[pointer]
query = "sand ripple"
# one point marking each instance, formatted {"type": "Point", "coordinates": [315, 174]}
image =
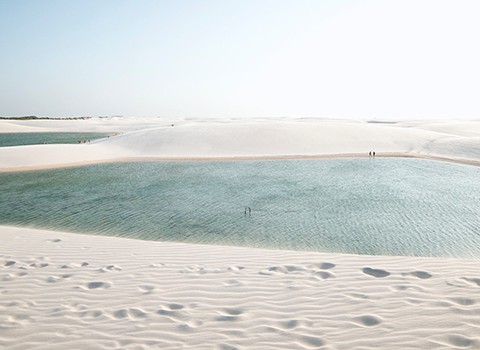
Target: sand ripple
{"type": "Point", "coordinates": [124, 294]}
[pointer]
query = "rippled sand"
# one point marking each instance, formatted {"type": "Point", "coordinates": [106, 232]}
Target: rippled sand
{"type": "Point", "coordinates": [61, 290]}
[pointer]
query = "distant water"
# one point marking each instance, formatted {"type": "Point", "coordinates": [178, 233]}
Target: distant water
{"type": "Point", "coordinates": [38, 138]}
{"type": "Point", "coordinates": [381, 206]}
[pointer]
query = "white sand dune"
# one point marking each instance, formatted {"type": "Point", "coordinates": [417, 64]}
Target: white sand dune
{"type": "Point", "coordinates": [70, 291]}
{"type": "Point", "coordinates": [118, 124]}
{"type": "Point", "coordinates": [157, 138]}
{"type": "Point", "coordinates": [269, 139]}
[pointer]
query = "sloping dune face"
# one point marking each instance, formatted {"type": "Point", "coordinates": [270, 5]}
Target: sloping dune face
{"type": "Point", "coordinates": [242, 138]}
{"type": "Point", "coordinates": [271, 139]}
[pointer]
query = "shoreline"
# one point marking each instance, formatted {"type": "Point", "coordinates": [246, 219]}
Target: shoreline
{"type": "Point", "coordinates": [246, 249]}
{"type": "Point", "coordinates": [239, 158]}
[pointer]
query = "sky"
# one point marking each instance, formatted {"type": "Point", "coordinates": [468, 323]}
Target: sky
{"type": "Point", "coordinates": [397, 59]}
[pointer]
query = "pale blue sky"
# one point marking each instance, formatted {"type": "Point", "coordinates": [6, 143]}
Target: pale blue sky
{"type": "Point", "coordinates": [346, 59]}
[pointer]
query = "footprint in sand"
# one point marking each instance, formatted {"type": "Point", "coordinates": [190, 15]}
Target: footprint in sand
{"type": "Point", "coordinates": [173, 314]}
{"type": "Point", "coordinates": [233, 311]}
{"type": "Point", "coordinates": [282, 269]}
{"type": "Point", "coordinates": [326, 266]}
{"type": "Point", "coordinates": [122, 313]}
{"type": "Point", "coordinates": [463, 301]}
{"type": "Point", "coordinates": [7, 277]}
{"type": "Point", "coordinates": [235, 268]}
{"type": "Point", "coordinates": [233, 283]}
{"type": "Point", "coordinates": [419, 274]}
{"type": "Point", "coordinates": [98, 285]}
{"type": "Point", "coordinates": [91, 314]}
{"type": "Point", "coordinates": [10, 263]}
{"type": "Point", "coordinates": [311, 342]}
{"type": "Point", "coordinates": [42, 265]}
{"type": "Point", "coordinates": [323, 275]}
{"type": "Point", "coordinates": [475, 281]}
{"type": "Point", "coordinates": [464, 282]}
{"type": "Point", "coordinates": [169, 313]}
{"type": "Point", "coordinates": [184, 328]}
{"type": "Point", "coordinates": [156, 265]}
{"type": "Point", "coordinates": [229, 314]}
{"type": "Point", "coordinates": [131, 312]}
{"type": "Point", "coordinates": [358, 296]}
{"type": "Point", "coordinates": [367, 320]}
{"type": "Point", "coordinates": [53, 279]}
{"type": "Point", "coordinates": [146, 288]}
{"type": "Point", "coordinates": [172, 310]}
{"type": "Point", "coordinates": [225, 347]}
{"type": "Point", "coordinates": [110, 268]}
{"type": "Point", "coordinates": [289, 324]}
{"type": "Point", "coordinates": [189, 325]}
{"type": "Point", "coordinates": [459, 341]}
{"type": "Point", "coordinates": [74, 265]}
{"type": "Point", "coordinates": [175, 306]}
{"type": "Point", "coordinates": [378, 273]}
{"type": "Point", "coordinates": [301, 269]}
{"type": "Point", "coordinates": [21, 317]}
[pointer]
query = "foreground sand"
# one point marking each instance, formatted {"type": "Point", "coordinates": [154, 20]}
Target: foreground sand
{"type": "Point", "coordinates": [71, 291]}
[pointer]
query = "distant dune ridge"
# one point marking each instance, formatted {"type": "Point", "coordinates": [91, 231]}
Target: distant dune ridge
{"type": "Point", "coordinates": [69, 291]}
{"type": "Point", "coordinates": [159, 138]}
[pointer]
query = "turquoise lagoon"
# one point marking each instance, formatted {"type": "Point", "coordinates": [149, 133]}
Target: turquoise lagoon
{"type": "Point", "coordinates": [37, 138]}
{"type": "Point", "coordinates": [383, 206]}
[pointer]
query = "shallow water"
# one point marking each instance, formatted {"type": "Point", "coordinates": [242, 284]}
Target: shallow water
{"type": "Point", "coordinates": [381, 206]}
{"type": "Point", "coordinates": [38, 138]}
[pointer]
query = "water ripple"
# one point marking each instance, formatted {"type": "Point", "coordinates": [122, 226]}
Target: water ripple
{"type": "Point", "coordinates": [386, 206]}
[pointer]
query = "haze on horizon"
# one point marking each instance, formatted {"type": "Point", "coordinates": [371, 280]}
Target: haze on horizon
{"type": "Point", "coordinates": [360, 59]}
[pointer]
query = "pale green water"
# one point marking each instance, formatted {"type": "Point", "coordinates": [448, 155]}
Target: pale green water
{"type": "Point", "coordinates": [366, 206]}
{"type": "Point", "coordinates": [38, 138]}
